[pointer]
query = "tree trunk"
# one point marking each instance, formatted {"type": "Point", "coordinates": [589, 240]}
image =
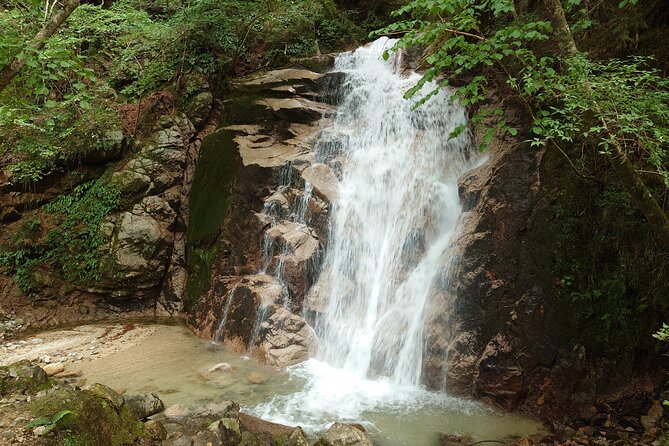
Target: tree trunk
{"type": "Point", "coordinates": [561, 31]}
{"type": "Point", "coordinates": [10, 71]}
{"type": "Point", "coordinates": [629, 178]}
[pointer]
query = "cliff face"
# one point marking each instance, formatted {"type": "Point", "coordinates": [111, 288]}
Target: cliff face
{"type": "Point", "coordinates": [510, 320]}
{"type": "Point", "coordinates": [507, 323]}
{"type": "Point", "coordinates": [252, 260]}
{"type": "Point", "coordinates": [537, 312]}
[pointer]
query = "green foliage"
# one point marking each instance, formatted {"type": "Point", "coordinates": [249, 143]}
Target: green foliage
{"type": "Point", "coordinates": [66, 98]}
{"type": "Point", "coordinates": [49, 423]}
{"type": "Point", "coordinates": [609, 279]}
{"type": "Point", "coordinates": [485, 38]}
{"type": "Point", "coordinates": [459, 43]}
{"type": "Point", "coordinates": [57, 109]}
{"type": "Point", "coordinates": [71, 246]}
{"type": "Point", "coordinates": [631, 96]}
{"type": "Point", "coordinates": [210, 37]}
{"type": "Point", "coordinates": [663, 333]}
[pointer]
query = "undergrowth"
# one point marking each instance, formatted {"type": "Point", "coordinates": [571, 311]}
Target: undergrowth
{"type": "Point", "coordinates": [71, 245]}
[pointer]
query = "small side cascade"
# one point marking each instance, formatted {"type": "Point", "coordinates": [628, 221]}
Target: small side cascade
{"type": "Point", "coordinates": [263, 310]}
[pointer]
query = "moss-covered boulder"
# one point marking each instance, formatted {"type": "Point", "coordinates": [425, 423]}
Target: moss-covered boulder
{"type": "Point", "coordinates": [23, 378]}
{"type": "Point", "coordinates": [90, 419]}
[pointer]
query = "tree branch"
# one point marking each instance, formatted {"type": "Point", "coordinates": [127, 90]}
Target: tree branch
{"type": "Point", "coordinates": [11, 70]}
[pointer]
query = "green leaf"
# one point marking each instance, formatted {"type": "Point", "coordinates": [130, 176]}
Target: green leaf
{"type": "Point", "coordinates": [41, 421]}
{"type": "Point", "coordinates": [457, 131]}
{"type": "Point", "coordinates": [512, 131]}
{"type": "Point", "coordinates": [60, 415]}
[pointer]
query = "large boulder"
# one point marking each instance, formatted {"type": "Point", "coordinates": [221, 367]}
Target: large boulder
{"type": "Point", "coordinates": [137, 253]}
{"type": "Point", "coordinates": [139, 239]}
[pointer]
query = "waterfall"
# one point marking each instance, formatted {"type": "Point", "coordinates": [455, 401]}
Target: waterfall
{"type": "Point", "coordinates": [397, 208]}
{"type": "Point", "coordinates": [390, 232]}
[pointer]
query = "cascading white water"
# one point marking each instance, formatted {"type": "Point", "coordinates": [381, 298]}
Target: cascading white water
{"type": "Point", "coordinates": [391, 228]}
{"type": "Point", "coordinates": [397, 208]}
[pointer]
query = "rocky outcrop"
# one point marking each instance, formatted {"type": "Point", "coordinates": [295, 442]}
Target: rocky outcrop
{"type": "Point", "coordinates": [139, 268]}
{"type": "Point", "coordinates": [141, 239]}
{"type": "Point", "coordinates": [259, 222]}
{"type": "Point", "coordinates": [500, 325]}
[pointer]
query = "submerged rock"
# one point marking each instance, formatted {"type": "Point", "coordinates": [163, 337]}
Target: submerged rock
{"type": "Point", "coordinates": [222, 367]}
{"type": "Point", "coordinates": [216, 370]}
{"type": "Point", "coordinates": [257, 378]}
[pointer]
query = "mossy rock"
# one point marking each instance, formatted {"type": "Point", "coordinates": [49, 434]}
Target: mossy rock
{"type": "Point", "coordinates": [92, 419]}
{"type": "Point", "coordinates": [23, 377]}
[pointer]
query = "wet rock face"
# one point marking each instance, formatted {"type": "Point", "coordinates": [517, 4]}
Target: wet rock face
{"type": "Point", "coordinates": [255, 229]}
{"type": "Point", "coordinates": [286, 339]}
{"type": "Point", "coordinates": [497, 328]}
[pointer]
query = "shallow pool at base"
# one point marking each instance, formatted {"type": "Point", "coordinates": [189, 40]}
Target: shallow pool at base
{"type": "Point", "coordinates": [173, 363]}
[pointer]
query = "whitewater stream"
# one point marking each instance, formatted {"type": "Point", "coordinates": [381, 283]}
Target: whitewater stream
{"type": "Point", "coordinates": [173, 362]}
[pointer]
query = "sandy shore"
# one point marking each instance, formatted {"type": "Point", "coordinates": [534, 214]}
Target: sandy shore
{"type": "Point", "coordinates": [75, 346]}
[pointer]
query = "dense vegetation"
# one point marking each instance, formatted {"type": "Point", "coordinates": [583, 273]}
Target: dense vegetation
{"type": "Point", "coordinates": [100, 74]}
